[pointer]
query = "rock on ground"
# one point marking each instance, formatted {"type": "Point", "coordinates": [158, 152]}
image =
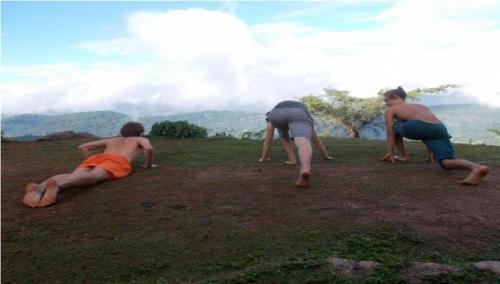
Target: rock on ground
{"type": "Point", "coordinates": [421, 270]}
{"type": "Point", "coordinates": [491, 266]}
{"type": "Point", "coordinates": [349, 267]}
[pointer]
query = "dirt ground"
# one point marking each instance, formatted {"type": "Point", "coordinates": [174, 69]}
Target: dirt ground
{"type": "Point", "coordinates": [199, 203]}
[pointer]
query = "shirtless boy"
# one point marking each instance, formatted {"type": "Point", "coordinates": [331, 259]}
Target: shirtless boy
{"type": "Point", "coordinates": [114, 163]}
{"type": "Point", "coordinates": [417, 122]}
{"type": "Point", "coordinates": [293, 116]}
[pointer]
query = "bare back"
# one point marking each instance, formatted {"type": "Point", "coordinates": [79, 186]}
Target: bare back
{"type": "Point", "coordinates": [406, 111]}
{"type": "Point", "coordinates": [128, 147]}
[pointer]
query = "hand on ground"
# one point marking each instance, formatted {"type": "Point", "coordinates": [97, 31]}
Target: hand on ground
{"type": "Point", "coordinates": [264, 160]}
{"type": "Point", "coordinates": [152, 166]}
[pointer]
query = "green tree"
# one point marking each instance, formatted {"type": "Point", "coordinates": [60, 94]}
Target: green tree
{"type": "Point", "coordinates": [496, 131]}
{"type": "Point", "coordinates": [254, 135]}
{"type": "Point", "coordinates": [338, 106]}
{"type": "Point", "coordinates": [178, 129]}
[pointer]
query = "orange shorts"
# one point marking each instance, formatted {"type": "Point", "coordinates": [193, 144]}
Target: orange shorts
{"type": "Point", "coordinates": [117, 165]}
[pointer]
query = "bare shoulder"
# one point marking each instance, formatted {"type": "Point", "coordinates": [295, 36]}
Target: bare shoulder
{"type": "Point", "coordinates": [391, 109]}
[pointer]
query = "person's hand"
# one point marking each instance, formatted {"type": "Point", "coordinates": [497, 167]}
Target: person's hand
{"type": "Point", "coordinates": [152, 166]}
{"type": "Point", "coordinates": [264, 160]}
{"type": "Point", "coordinates": [388, 158]}
{"type": "Point", "coordinates": [327, 158]}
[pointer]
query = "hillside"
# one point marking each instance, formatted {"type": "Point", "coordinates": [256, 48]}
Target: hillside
{"type": "Point", "coordinates": [466, 123]}
{"type": "Point", "coordinates": [210, 213]}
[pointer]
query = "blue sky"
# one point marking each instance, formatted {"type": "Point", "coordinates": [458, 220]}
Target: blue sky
{"type": "Point", "coordinates": [186, 56]}
{"type": "Point", "coordinates": [44, 32]}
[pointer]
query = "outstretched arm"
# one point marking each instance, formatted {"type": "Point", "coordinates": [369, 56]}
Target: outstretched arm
{"type": "Point", "coordinates": [320, 145]}
{"type": "Point", "coordinates": [389, 123]}
{"type": "Point", "coordinates": [268, 141]}
{"type": "Point", "coordinates": [86, 147]}
{"type": "Point", "coordinates": [148, 153]}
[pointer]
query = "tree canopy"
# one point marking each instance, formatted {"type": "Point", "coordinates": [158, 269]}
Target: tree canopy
{"type": "Point", "coordinates": [357, 113]}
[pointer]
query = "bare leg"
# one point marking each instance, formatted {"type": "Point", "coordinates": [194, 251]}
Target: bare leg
{"type": "Point", "coordinates": [77, 178]}
{"type": "Point", "coordinates": [287, 145]}
{"type": "Point", "coordinates": [430, 157]}
{"type": "Point", "coordinates": [321, 147]}
{"type": "Point", "coordinates": [305, 154]}
{"type": "Point", "coordinates": [403, 154]}
{"type": "Point", "coordinates": [477, 171]}
{"type": "Point", "coordinates": [34, 192]}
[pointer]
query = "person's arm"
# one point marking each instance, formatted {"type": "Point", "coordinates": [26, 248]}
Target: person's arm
{"type": "Point", "coordinates": [86, 147]}
{"type": "Point", "coordinates": [148, 153]}
{"type": "Point", "coordinates": [268, 141]}
{"type": "Point", "coordinates": [320, 145]}
{"type": "Point", "coordinates": [389, 123]}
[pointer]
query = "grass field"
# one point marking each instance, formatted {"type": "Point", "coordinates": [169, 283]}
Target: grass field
{"type": "Point", "coordinates": [211, 213]}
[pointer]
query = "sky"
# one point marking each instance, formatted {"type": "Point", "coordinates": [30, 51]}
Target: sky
{"type": "Point", "coordinates": [175, 57]}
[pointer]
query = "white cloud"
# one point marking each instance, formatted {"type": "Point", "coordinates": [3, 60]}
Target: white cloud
{"type": "Point", "coordinates": [213, 60]}
{"type": "Point", "coordinates": [121, 46]}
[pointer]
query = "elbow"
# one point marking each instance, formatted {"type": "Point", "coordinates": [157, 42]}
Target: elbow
{"type": "Point", "coordinates": [82, 147]}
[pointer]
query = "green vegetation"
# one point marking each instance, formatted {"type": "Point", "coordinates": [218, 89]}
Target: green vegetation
{"type": "Point", "coordinates": [355, 114]}
{"type": "Point", "coordinates": [496, 131]}
{"type": "Point", "coordinates": [178, 129]}
{"type": "Point", "coordinates": [212, 214]}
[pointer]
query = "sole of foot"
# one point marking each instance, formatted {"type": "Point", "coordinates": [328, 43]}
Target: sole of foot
{"type": "Point", "coordinates": [33, 195]}
{"type": "Point", "coordinates": [50, 195]}
{"type": "Point", "coordinates": [401, 159]}
{"type": "Point", "coordinates": [476, 176]}
{"type": "Point", "coordinates": [303, 180]}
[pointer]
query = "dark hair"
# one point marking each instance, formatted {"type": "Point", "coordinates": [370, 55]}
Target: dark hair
{"type": "Point", "coordinates": [399, 92]}
{"type": "Point", "coordinates": [131, 129]}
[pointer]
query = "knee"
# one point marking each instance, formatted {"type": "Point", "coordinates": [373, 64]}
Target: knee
{"type": "Point", "coordinates": [445, 164]}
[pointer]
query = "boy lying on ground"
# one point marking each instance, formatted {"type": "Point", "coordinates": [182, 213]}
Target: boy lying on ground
{"type": "Point", "coordinates": [417, 122]}
{"type": "Point", "coordinates": [114, 163]}
{"type": "Point", "coordinates": [293, 116]}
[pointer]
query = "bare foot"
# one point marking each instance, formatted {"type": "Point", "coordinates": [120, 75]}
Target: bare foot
{"type": "Point", "coordinates": [476, 176]}
{"type": "Point", "coordinates": [402, 158]}
{"type": "Point", "coordinates": [33, 195]}
{"type": "Point", "coordinates": [303, 180]}
{"type": "Point", "coordinates": [50, 195]}
{"type": "Point", "coordinates": [291, 163]}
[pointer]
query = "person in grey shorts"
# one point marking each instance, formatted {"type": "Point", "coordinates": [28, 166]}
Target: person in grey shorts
{"type": "Point", "coordinates": [292, 117]}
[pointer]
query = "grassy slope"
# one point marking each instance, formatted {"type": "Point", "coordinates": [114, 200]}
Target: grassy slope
{"type": "Point", "coordinates": [212, 213]}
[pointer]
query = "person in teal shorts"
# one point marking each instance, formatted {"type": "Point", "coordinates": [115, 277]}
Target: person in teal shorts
{"type": "Point", "coordinates": [417, 122]}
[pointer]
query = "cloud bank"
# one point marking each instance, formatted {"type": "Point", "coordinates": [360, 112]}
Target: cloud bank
{"type": "Point", "coordinates": [196, 59]}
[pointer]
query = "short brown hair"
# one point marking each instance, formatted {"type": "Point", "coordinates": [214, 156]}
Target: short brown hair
{"type": "Point", "coordinates": [131, 129]}
{"type": "Point", "coordinates": [399, 93]}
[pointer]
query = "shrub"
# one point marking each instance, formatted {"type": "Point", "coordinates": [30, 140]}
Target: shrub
{"type": "Point", "coordinates": [178, 129]}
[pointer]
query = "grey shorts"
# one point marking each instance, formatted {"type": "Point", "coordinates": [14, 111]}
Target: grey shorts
{"type": "Point", "coordinates": [295, 121]}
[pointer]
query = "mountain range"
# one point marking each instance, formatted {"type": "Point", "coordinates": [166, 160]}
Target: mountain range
{"type": "Point", "coordinates": [467, 123]}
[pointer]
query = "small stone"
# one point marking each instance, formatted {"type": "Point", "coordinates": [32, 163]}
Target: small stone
{"type": "Point", "coordinates": [367, 267]}
{"type": "Point", "coordinates": [148, 204]}
{"type": "Point", "coordinates": [347, 267]}
{"type": "Point", "coordinates": [421, 270]}
{"type": "Point", "coordinates": [341, 265]}
{"type": "Point", "coordinates": [491, 266]}
{"type": "Point", "coordinates": [179, 207]}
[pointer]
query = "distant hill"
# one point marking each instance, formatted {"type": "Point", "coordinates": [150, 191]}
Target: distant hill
{"type": "Point", "coordinates": [106, 123]}
{"type": "Point", "coordinates": [466, 123]}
